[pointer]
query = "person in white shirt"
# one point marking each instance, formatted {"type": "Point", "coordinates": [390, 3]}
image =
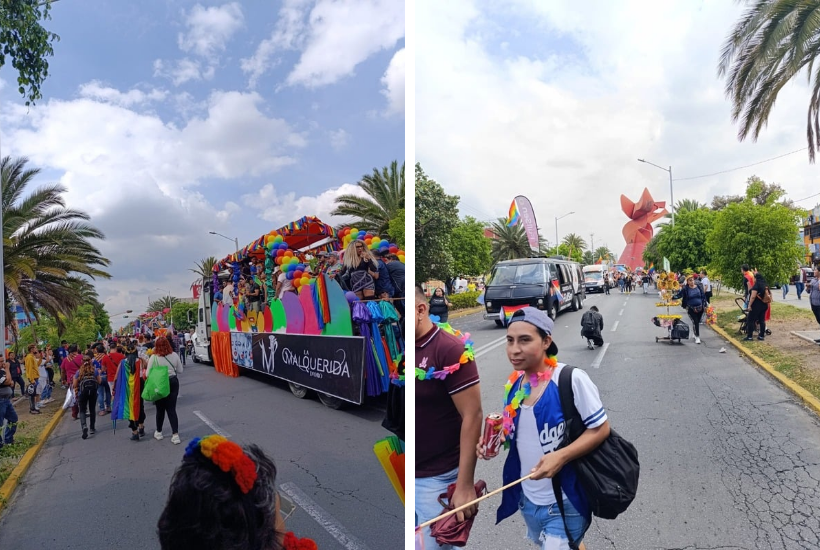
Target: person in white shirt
{"type": "Point", "coordinates": [707, 286]}
{"type": "Point", "coordinates": [283, 285]}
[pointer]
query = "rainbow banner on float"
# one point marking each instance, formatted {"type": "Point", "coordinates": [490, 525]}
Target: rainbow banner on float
{"type": "Point", "coordinates": [513, 217]}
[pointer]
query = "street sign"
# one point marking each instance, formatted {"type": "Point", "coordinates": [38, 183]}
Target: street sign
{"type": "Point", "coordinates": [666, 266]}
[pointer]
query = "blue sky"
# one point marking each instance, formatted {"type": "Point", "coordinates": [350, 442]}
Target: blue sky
{"type": "Point", "coordinates": [165, 120]}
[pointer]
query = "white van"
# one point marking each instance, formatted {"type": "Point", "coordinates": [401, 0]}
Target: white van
{"type": "Point", "coordinates": [594, 278]}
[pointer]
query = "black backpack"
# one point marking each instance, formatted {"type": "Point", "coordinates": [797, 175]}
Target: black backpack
{"type": "Point", "coordinates": [88, 386]}
{"type": "Point", "coordinates": [608, 475]}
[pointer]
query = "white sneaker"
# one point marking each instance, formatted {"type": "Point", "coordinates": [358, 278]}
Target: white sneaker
{"type": "Point", "coordinates": [158, 436]}
{"type": "Point", "coordinates": [175, 439]}
{"type": "Point", "coordinates": [697, 339]}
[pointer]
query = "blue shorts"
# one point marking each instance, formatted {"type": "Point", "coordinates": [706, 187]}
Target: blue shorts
{"type": "Point", "coordinates": [428, 490]}
{"type": "Point", "coordinates": [545, 526]}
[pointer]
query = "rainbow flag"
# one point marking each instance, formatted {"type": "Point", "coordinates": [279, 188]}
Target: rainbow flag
{"type": "Point", "coordinates": [557, 291]}
{"type": "Point", "coordinates": [126, 402]}
{"type": "Point", "coordinates": [513, 216]}
{"type": "Point", "coordinates": [506, 312]}
{"type": "Point", "coordinates": [320, 300]}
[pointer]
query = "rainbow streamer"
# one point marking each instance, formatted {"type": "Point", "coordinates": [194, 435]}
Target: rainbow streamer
{"type": "Point", "coordinates": [321, 300]}
{"type": "Point", "coordinates": [513, 216]}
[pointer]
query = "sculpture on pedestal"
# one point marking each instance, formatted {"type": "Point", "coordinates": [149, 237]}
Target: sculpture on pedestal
{"type": "Point", "coordinates": [638, 231]}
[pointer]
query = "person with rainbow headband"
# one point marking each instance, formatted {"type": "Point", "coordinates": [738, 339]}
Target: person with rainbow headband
{"type": "Point", "coordinates": [223, 497]}
{"type": "Point", "coordinates": [534, 430]}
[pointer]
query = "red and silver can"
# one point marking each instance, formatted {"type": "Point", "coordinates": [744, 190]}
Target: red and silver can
{"type": "Point", "coordinates": [492, 435]}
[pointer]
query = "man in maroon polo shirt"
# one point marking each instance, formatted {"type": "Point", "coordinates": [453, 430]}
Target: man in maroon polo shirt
{"type": "Point", "coordinates": [448, 422]}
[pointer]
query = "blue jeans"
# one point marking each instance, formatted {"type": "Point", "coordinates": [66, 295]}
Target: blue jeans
{"type": "Point", "coordinates": [799, 287]}
{"type": "Point", "coordinates": [545, 526]}
{"type": "Point", "coordinates": [7, 412]}
{"type": "Point", "coordinates": [785, 291]}
{"type": "Point", "coordinates": [104, 395]}
{"type": "Point", "coordinates": [428, 490]}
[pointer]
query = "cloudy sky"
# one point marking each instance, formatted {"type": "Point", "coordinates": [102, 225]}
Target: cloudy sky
{"type": "Point", "coordinates": [557, 100]}
{"type": "Point", "coordinates": [168, 119]}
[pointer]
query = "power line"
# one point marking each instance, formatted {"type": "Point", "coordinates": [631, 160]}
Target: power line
{"type": "Point", "coordinates": [740, 167]}
{"type": "Point", "coordinates": [807, 198]}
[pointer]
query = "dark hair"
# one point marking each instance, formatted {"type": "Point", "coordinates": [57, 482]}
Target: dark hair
{"type": "Point", "coordinates": [100, 348]}
{"type": "Point", "coordinates": [63, 342]}
{"type": "Point", "coordinates": [206, 508]}
{"type": "Point", "coordinates": [163, 347]}
{"type": "Point", "coordinates": [72, 348]}
{"type": "Point", "coordinates": [744, 267]}
{"type": "Point", "coordinates": [393, 256]}
{"type": "Point", "coordinates": [420, 293]}
{"type": "Point", "coordinates": [593, 308]}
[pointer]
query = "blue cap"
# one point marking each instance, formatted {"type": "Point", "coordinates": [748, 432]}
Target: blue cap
{"type": "Point", "coordinates": [535, 317]}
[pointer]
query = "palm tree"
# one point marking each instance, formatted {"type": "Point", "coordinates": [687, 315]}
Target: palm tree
{"type": "Point", "coordinates": [203, 270]}
{"type": "Point", "coordinates": [385, 198]}
{"type": "Point", "coordinates": [589, 258]}
{"type": "Point", "coordinates": [509, 243]}
{"type": "Point", "coordinates": [47, 250]}
{"type": "Point", "coordinates": [162, 303]}
{"type": "Point", "coordinates": [602, 253]}
{"type": "Point", "coordinates": [772, 42]}
{"type": "Point", "coordinates": [574, 242]}
{"type": "Point", "coordinates": [685, 205]}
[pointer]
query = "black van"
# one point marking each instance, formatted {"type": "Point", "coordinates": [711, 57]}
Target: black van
{"type": "Point", "coordinates": [527, 282]}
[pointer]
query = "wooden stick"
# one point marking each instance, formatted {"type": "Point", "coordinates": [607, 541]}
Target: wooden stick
{"type": "Point", "coordinates": [479, 499]}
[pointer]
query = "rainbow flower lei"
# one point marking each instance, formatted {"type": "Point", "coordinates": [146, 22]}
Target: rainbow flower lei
{"type": "Point", "coordinates": [423, 372]}
{"type": "Point", "coordinates": [228, 456]}
{"type": "Point", "coordinates": [523, 392]}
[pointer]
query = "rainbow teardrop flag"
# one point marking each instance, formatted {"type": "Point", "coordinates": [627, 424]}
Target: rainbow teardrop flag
{"type": "Point", "coordinates": [513, 216]}
{"type": "Point", "coordinates": [557, 291]}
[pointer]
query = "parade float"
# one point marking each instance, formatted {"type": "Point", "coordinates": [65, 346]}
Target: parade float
{"type": "Point", "coordinates": [317, 338]}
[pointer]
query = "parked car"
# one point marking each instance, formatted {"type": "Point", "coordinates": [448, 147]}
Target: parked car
{"type": "Point", "coordinates": [527, 281]}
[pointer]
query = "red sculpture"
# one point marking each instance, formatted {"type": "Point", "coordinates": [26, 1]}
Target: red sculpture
{"type": "Point", "coordinates": [638, 231]}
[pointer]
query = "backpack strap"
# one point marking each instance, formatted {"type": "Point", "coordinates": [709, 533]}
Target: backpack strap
{"type": "Point", "coordinates": [572, 419]}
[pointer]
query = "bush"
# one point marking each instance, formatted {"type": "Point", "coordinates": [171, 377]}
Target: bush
{"type": "Point", "coordinates": [464, 300]}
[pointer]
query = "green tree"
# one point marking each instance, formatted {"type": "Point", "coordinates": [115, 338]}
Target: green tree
{"type": "Point", "coordinates": [470, 248]}
{"type": "Point", "coordinates": [79, 328]}
{"type": "Point", "coordinates": [761, 235]}
{"type": "Point", "coordinates": [574, 254]}
{"type": "Point", "coordinates": [385, 197]}
{"type": "Point", "coordinates": [101, 318]}
{"type": "Point", "coordinates": [436, 216]}
{"type": "Point", "coordinates": [179, 315]}
{"type": "Point", "coordinates": [27, 43]}
{"type": "Point", "coordinates": [47, 250]}
{"type": "Point", "coordinates": [395, 228]}
{"type": "Point", "coordinates": [588, 258]}
{"type": "Point", "coordinates": [575, 242]}
{"type": "Point", "coordinates": [760, 192]}
{"type": "Point", "coordinates": [603, 253]}
{"type": "Point", "coordinates": [162, 303]}
{"type": "Point", "coordinates": [650, 253]}
{"type": "Point", "coordinates": [204, 268]}
{"type": "Point", "coordinates": [509, 243]}
{"type": "Point", "coordinates": [685, 244]}
{"type": "Point", "coordinates": [772, 42]}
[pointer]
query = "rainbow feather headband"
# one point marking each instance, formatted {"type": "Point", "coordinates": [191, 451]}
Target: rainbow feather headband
{"type": "Point", "coordinates": [423, 372]}
{"type": "Point", "coordinates": [228, 456]}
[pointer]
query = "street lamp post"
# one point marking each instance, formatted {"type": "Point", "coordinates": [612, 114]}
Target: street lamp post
{"type": "Point", "coordinates": [235, 241]}
{"type": "Point", "coordinates": [671, 191]}
{"type": "Point", "coordinates": [556, 230]}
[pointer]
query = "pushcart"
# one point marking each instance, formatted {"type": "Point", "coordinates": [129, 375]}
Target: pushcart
{"type": "Point", "coordinates": [677, 330]}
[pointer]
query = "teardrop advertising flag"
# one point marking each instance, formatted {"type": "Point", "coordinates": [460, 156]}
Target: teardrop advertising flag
{"type": "Point", "coordinates": [527, 219]}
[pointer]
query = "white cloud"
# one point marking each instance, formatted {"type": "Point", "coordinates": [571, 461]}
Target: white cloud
{"type": "Point", "coordinates": [138, 176]}
{"type": "Point", "coordinates": [183, 70]}
{"type": "Point", "coordinates": [393, 84]}
{"type": "Point", "coordinates": [339, 139]}
{"type": "Point", "coordinates": [209, 29]}
{"type": "Point", "coordinates": [96, 90]}
{"type": "Point", "coordinates": [278, 207]}
{"type": "Point", "coordinates": [563, 111]}
{"type": "Point", "coordinates": [334, 36]}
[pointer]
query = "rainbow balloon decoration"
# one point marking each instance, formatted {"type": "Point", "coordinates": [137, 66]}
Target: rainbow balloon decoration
{"type": "Point", "coordinates": [373, 242]}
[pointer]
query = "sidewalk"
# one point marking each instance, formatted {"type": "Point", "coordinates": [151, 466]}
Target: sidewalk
{"type": "Point", "coordinates": [791, 298]}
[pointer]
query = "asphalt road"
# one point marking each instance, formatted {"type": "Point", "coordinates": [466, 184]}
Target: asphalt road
{"type": "Point", "coordinates": [729, 460]}
{"type": "Point", "coordinates": [108, 492]}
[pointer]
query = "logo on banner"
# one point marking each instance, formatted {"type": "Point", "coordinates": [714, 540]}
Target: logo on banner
{"type": "Point", "coordinates": [268, 359]}
{"type": "Point", "coordinates": [317, 367]}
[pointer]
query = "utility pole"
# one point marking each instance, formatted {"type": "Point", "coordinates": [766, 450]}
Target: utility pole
{"type": "Point", "coordinates": [592, 245]}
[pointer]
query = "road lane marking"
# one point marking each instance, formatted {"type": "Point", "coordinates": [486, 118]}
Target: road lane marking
{"type": "Point", "coordinates": [211, 425]}
{"type": "Point", "coordinates": [615, 326]}
{"type": "Point", "coordinates": [323, 518]}
{"type": "Point", "coordinates": [597, 362]}
{"type": "Point", "coordinates": [486, 348]}
{"type": "Point", "coordinates": [625, 303]}
{"type": "Point", "coordinates": [621, 312]}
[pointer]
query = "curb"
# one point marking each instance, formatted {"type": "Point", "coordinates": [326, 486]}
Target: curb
{"type": "Point", "coordinates": [19, 471]}
{"type": "Point", "coordinates": [808, 399]}
{"type": "Point", "coordinates": [464, 312]}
